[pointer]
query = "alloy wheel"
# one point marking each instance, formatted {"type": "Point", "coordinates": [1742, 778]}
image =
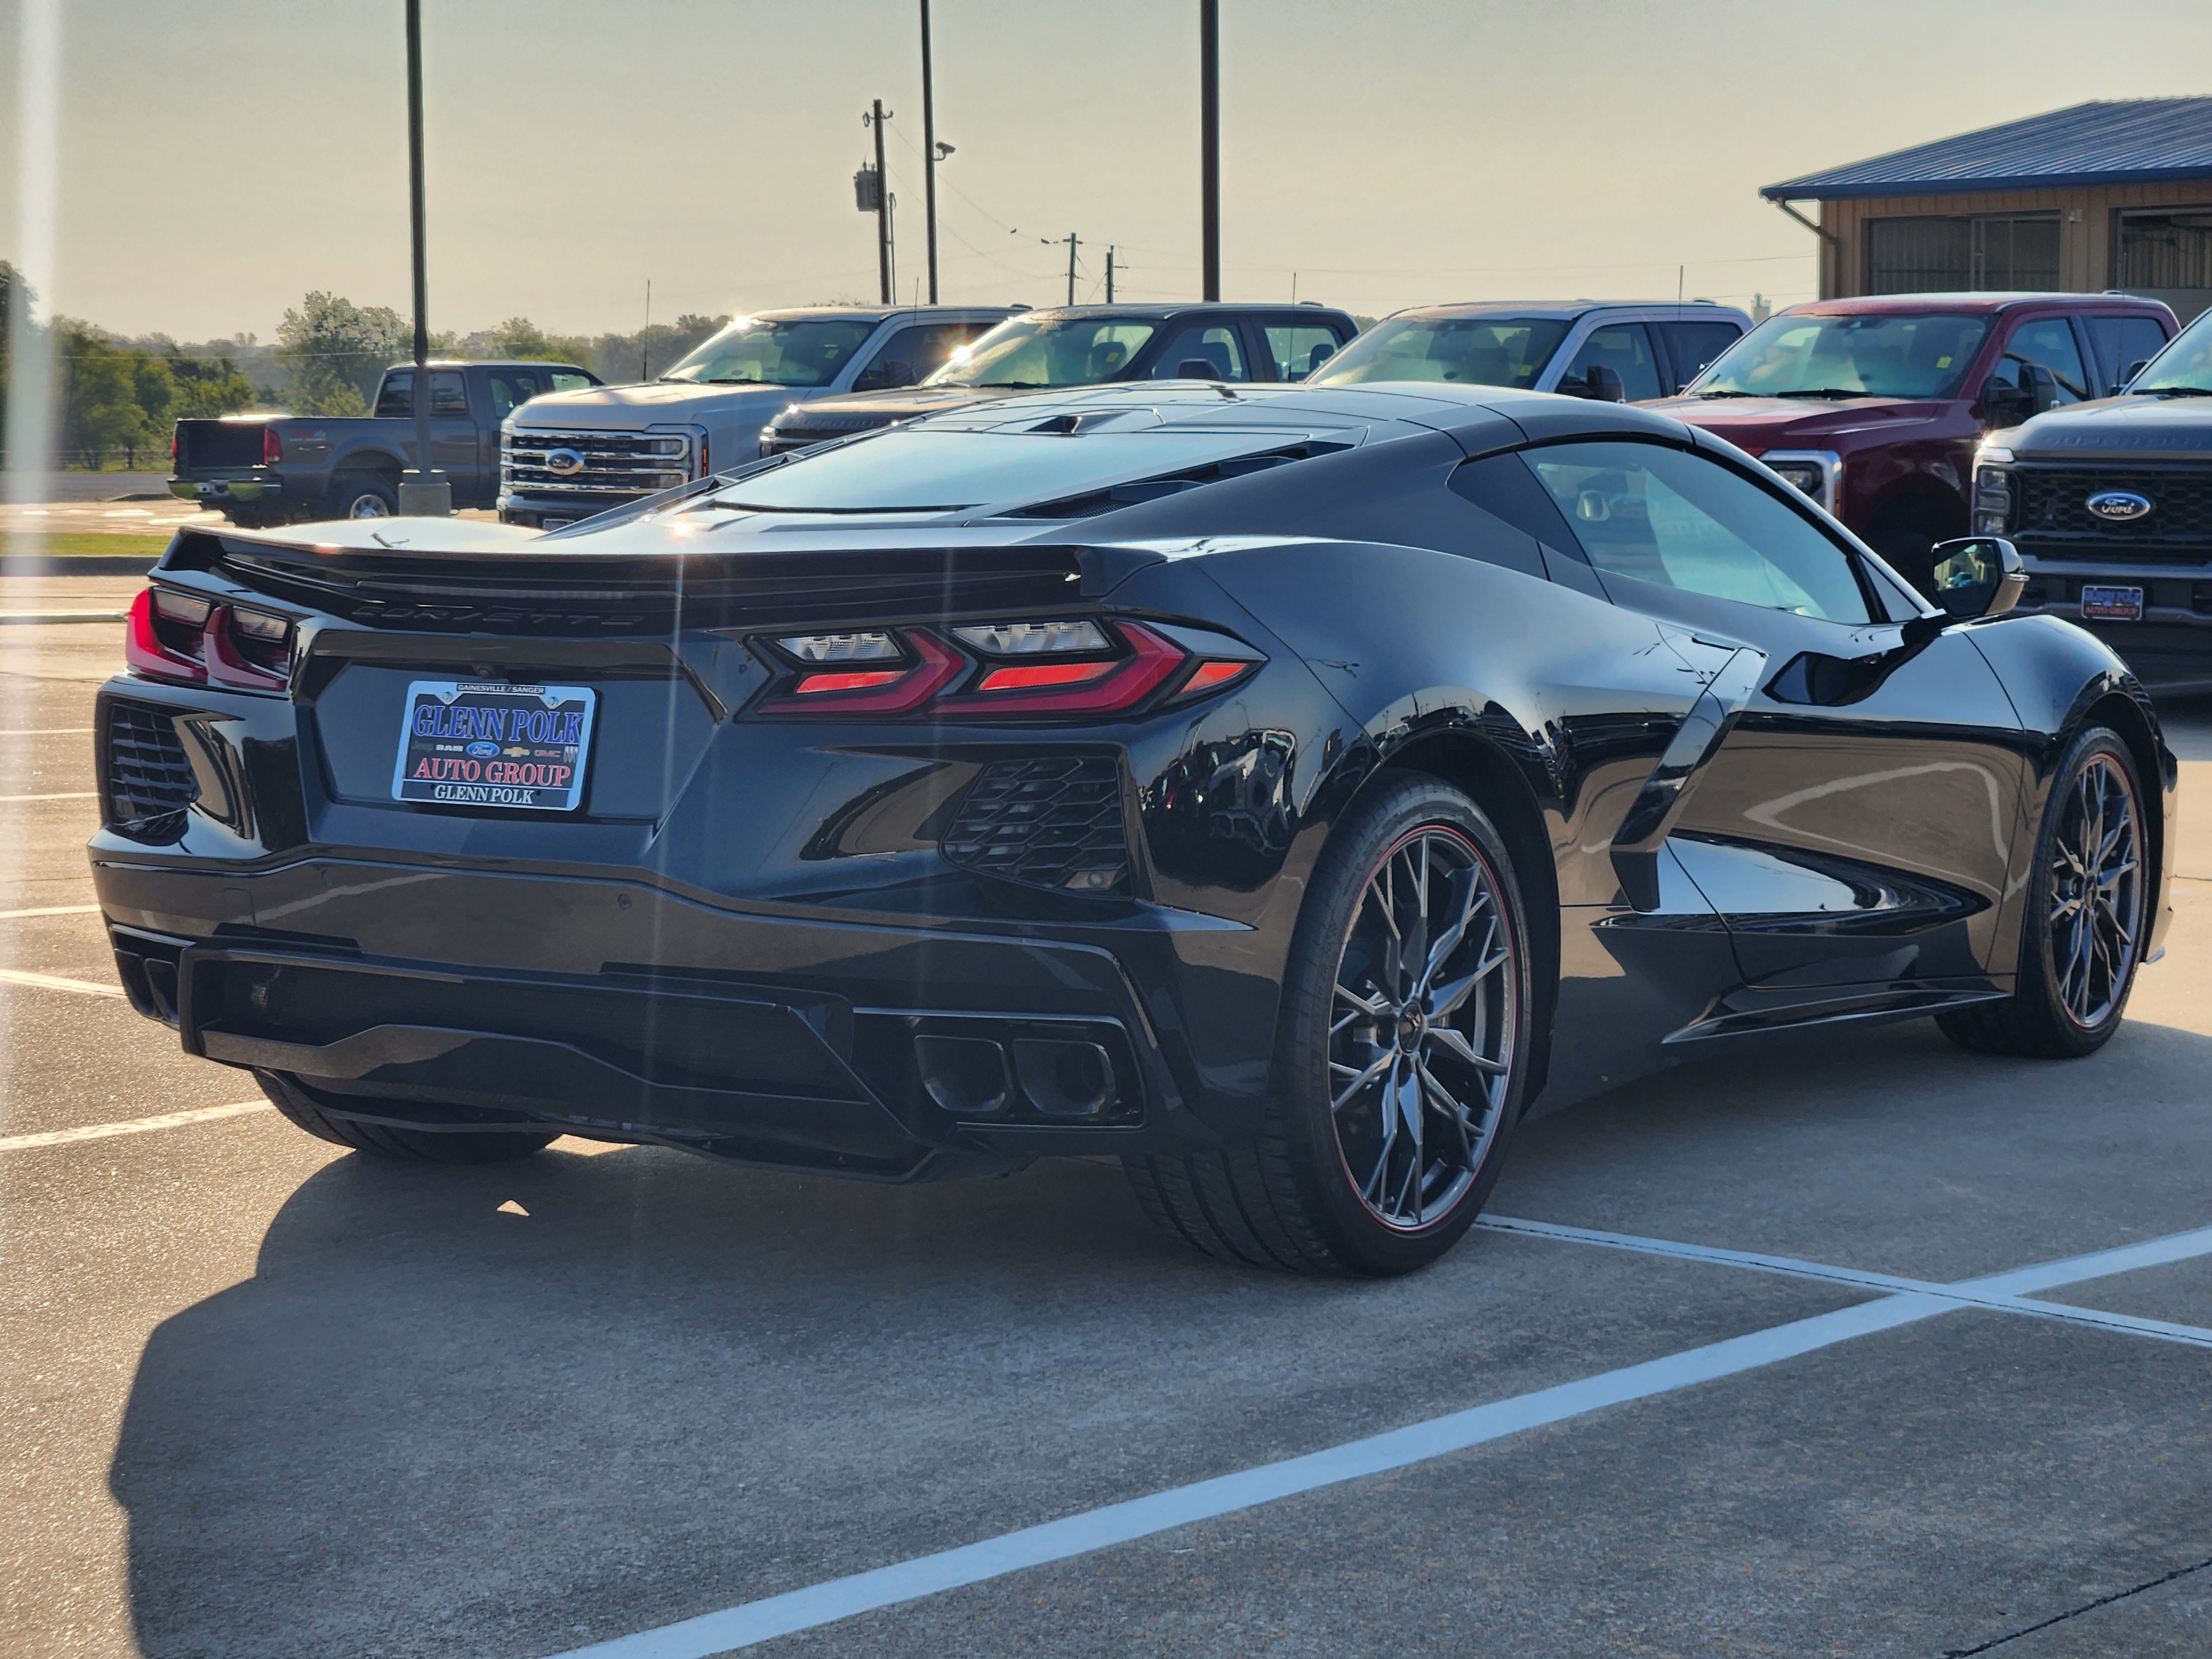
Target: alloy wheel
{"type": "Point", "coordinates": [366, 505]}
{"type": "Point", "coordinates": [2096, 892]}
{"type": "Point", "coordinates": [1421, 1037]}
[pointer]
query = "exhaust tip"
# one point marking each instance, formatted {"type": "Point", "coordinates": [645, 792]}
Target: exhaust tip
{"type": "Point", "coordinates": [1065, 1079]}
{"type": "Point", "coordinates": [965, 1076]}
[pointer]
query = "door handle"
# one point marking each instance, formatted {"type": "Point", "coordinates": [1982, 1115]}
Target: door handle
{"type": "Point", "coordinates": [1636, 844]}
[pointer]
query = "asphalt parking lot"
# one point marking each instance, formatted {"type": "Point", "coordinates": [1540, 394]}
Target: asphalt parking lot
{"type": "Point", "coordinates": [1747, 1362]}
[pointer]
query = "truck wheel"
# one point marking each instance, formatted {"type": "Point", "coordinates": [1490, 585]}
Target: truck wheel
{"type": "Point", "coordinates": [1401, 1059]}
{"type": "Point", "coordinates": [2083, 934]}
{"type": "Point", "coordinates": [362, 495]}
{"type": "Point", "coordinates": [407, 1146]}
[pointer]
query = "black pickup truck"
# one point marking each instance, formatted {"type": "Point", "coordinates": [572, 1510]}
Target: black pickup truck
{"type": "Point", "coordinates": [280, 469]}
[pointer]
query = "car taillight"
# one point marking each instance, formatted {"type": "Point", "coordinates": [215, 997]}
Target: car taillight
{"type": "Point", "coordinates": [192, 642]}
{"type": "Point", "coordinates": [173, 449]}
{"type": "Point", "coordinates": [272, 447]}
{"type": "Point", "coordinates": [1018, 669]}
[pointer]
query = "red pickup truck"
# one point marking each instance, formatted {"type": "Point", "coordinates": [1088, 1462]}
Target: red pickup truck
{"type": "Point", "coordinates": [1874, 407]}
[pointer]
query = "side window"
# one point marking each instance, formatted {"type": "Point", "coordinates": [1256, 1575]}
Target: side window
{"type": "Point", "coordinates": [2123, 342]}
{"type": "Point", "coordinates": [449, 394]}
{"type": "Point", "coordinates": [1695, 344]}
{"type": "Point", "coordinates": [1298, 351]}
{"type": "Point", "coordinates": [2048, 341]}
{"type": "Point", "coordinates": [1216, 342]}
{"type": "Point", "coordinates": [509, 386]}
{"type": "Point", "coordinates": [1675, 518]}
{"type": "Point", "coordinates": [915, 353]}
{"type": "Point", "coordinates": [567, 379]}
{"type": "Point", "coordinates": [1624, 349]}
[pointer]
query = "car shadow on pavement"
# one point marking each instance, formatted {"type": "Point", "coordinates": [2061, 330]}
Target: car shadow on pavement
{"type": "Point", "coordinates": [453, 1404]}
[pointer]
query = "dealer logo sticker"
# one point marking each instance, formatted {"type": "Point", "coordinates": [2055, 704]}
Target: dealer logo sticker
{"type": "Point", "coordinates": [2118, 505]}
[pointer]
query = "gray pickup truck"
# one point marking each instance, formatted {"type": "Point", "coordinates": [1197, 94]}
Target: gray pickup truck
{"type": "Point", "coordinates": [280, 469]}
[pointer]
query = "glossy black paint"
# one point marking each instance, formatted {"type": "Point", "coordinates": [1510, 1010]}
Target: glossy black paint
{"type": "Point", "coordinates": [1727, 820]}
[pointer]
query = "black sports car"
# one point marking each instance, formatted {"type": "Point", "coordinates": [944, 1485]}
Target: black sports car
{"type": "Point", "coordinates": [1284, 789]}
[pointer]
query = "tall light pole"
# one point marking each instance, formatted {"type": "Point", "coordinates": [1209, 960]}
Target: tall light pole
{"type": "Point", "coordinates": [929, 151]}
{"type": "Point", "coordinates": [1209, 142]}
{"type": "Point", "coordinates": [425, 493]}
{"type": "Point", "coordinates": [883, 204]}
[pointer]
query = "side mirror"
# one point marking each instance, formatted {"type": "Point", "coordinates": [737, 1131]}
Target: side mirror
{"type": "Point", "coordinates": [1318, 355]}
{"type": "Point", "coordinates": [2040, 385]}
{"type": "Point", "coordinates": [2134, 369]}
{"type": "Point", "coordinates": [1197, 368]}
{"type": "Point", "coordinates": [1978, 576]}
{"type": "Point", "coordinates": [1606, 384]}
{"type": "Point", "coordinates": [883, 376]}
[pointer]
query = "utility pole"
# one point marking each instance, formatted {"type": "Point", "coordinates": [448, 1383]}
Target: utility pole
{"type": "Point", "coordinates": [929, 151]}
{"type": "Point", "coordinates": [1109, 273]}
{"type": "Point", "coordinates": [883, 204]}
{"type": "Point", "coordinates": [424, 492]}
{"type": "Point", "coordinates": [645, 340]}
{"type": "Point", "coordinates": [1209, 142]}
{"type": "Point", "coordinates": [1055, 241]}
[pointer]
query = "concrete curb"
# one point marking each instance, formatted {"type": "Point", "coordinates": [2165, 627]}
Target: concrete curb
{"type": "Point", "coordinates": [19, 616]}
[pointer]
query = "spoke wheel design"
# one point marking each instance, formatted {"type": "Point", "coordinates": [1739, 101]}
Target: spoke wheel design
{"type": "Point", "coordinates": [366, 505]}
{"type": "Point", "coordinates": [2096, 892]}
{"type": "Point", "coordinates": [1421, 1040]}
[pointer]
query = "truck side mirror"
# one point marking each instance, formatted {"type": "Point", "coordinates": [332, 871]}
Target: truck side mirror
{"type": "Point", "coordinates": [2134, 369]}
{"type": "Point", "coordinates": [2040, 385]}
{"type": "Point", "coordinates": [881, 376]}
{"type": "Point", "coordinates": [1599, 384]}
{"type": "Point", "coordinates": [1197, 368]}
{"type": "Point", "coordinates": [1978, 576]}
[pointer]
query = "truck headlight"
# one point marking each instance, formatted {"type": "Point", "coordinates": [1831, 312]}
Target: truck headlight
{"type": "Point", "coordinates": [1993, 496]}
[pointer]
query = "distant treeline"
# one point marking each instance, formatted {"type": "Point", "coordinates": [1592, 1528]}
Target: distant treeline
{"type": "Point", "coordinates": [118, 397]}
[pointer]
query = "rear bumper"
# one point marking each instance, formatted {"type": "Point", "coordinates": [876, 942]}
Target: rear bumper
{"type": "Point", "coordinates": [2170, 648]}
{"type": "Point", "coordinates": [225, 492]}
{"type": "Point", "coordinates": [516, 507]}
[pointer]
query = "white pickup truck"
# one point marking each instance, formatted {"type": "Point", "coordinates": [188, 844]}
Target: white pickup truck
{"type": "Point", "coordinates": [565, 457]}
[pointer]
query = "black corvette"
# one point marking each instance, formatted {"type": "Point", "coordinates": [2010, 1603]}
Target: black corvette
{"type": "Point", "coordinates": [1284, 789]}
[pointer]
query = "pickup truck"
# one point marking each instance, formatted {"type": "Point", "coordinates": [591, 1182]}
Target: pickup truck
{"type": "Point", "coordinates": [1086, 345]}
{"type": "Point", "coordinates": [278, 468]}
{"type": "Point", "coordinates": [1874, 407]}
{"type": "Point", "coordinates": [2110, 503]}
{"type": "Point", "coordinates": [569, 456]}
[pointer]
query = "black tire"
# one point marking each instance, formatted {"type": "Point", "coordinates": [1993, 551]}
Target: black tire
{"type": "Point", "coordinates": [1905, 535]}
{"type": "Point", "coordinates": [406, 1145]}
{"type": "Point", "coordinates": [2066, 1004]}
{"type": "Point", "coordinates": [363, 495]}
{"type": "Point", "coordinates": [1290, 1198]}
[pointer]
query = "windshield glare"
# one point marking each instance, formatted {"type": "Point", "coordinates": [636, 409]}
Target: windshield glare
{"type": "Point", "coordinates": [809, 352]}
{"type": "Point", "coordinates": [1048, 351]}
{"type": "Point", "coordinates": [1464, 351]}
{"type": "Point", "coordinates": [1874, 357]}
{"type": "Point", "coordinates": [2186, 365]}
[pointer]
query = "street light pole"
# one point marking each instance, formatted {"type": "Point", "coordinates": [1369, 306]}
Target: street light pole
{"type": "Point", "coordinates": [929, 151]}
{"type": "Point", "coordinates": [1209, 141]}
{"type": "Point", "coordinates": [428, 495]}
{"type": "Point", "coordinates": [883, 206]}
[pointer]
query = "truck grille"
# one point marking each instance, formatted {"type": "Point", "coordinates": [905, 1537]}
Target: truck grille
{"type": "Point", "coordinates": [1052, 822]}
{"type": "Point", "coordinates": [594, 465]}
{"type": "Point", "coordinates": [148, 781]}
{"type": "Point", "coordinates": [2051, 513]}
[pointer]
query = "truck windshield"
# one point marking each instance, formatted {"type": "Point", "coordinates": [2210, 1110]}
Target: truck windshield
{"type": "Point", "coordinates": [1046, 351]}
{"type": "Point", "coordinates": [1465, 351]}
{"type": "Point", "coordinates": [760, 351]}
{"type": "Point", "coordinates": [1800, 356]}
{"type": "Point", "coordinates": [2184, 369]}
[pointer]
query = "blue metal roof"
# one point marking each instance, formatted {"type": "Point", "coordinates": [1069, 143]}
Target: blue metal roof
{"type": "Point", "coordinates": [2128, 141]}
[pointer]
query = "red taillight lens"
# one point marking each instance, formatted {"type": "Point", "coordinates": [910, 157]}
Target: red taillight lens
{"type": "Point", "coordinates": [875, 690]}
{"type": "Point", "coordinates": [814, 685]}
{"type": "Point", "coordinates": [248, 648]}
{"type": "Point", "coordinates": [160, 644]}
{"type": "Point", "coordinates": [272, 447]}
{"type": "Point", "coordinates": [1212, 675]}
{"type": "Point", "coordinates": [1106, 688]}
{"type": "Point", "coordinates": [173, 449]}
{"type": "Point", "coordinates": [1044, 673]}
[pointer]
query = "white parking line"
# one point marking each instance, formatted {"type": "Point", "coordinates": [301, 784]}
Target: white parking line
{"type": "Point", "coordinates": [50, 731]}
{"type": "Point", "coordinates": [83, 987]}
{"type": "Point", "coordinates": [136, 1126]}
{"type": "Point", "coordinates": [837, 1599]}
{"type": "Point", "coordinates": [51, 911]}
{"type": "Point", "coordinates": [86, 794]}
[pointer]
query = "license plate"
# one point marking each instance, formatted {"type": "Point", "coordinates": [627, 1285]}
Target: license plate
{"type": "Point", "coordinates": [484, 742]}
{"type": "Point", "coordinates": [2112, 604]}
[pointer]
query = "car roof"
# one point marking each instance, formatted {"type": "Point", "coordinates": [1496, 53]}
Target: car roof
{"type": "Point", "coordinates": [1967, 303]}
{"type": "Point", "coordinates": [494, 362]}
{"type": "Point", "coordinates": [1171, 309]}
{"type": "Point", "coordinates": [1567, 310]}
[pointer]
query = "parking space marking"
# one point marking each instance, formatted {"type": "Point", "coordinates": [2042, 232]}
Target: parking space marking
{"type": "Point", "coordinates": [836, 1599]}
{"type": "Point", "coordinates": [83, 987]}
{"type": "Point", "coordinates": [51, 911]}
{"type": "Point", "coordinates": [136, 1126]}
{"type": "Point", "coordinates": [81, 794]}
{"type": "Point", "coordinates": [2194, 1336]}
{"type": "Point", "coordinates": [50, 731]}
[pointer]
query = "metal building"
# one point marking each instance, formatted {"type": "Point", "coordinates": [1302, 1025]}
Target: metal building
{"type": "Point", "coordinates": [2108, 195]}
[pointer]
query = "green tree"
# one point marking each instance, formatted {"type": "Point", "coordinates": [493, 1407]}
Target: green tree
{"type": "Point", "coordinates": [207, 386]}
{"type": "Point", "coordinates": [112, 397]}
{"type": "Point", "coordinates": [336, 351]}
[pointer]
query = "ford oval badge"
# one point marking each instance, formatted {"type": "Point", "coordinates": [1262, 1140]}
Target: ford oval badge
{"type": "Point", "coordinates": [2118, 505]}
{"type": "Point", "coordinates": [563, 462]}
{"type": "Point", "coordinates": [483, 751]}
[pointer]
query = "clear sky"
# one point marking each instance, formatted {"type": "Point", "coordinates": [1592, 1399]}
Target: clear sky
{"type": "Point", "coordinates": [220, 157]}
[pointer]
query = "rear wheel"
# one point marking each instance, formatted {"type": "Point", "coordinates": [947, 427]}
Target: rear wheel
{"type": "Point", "coordinates": [362, 495]}
{"type": "Point", "coordinates": [1400, 1058]}
{"type": "Point", "coordinates": [411, 1146]}
{"type": "Point", "coordinates": [2083, 930]}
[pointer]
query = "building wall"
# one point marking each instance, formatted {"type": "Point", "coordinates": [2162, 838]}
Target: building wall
{"type": "Point", "coordinates": [2087, 226]}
